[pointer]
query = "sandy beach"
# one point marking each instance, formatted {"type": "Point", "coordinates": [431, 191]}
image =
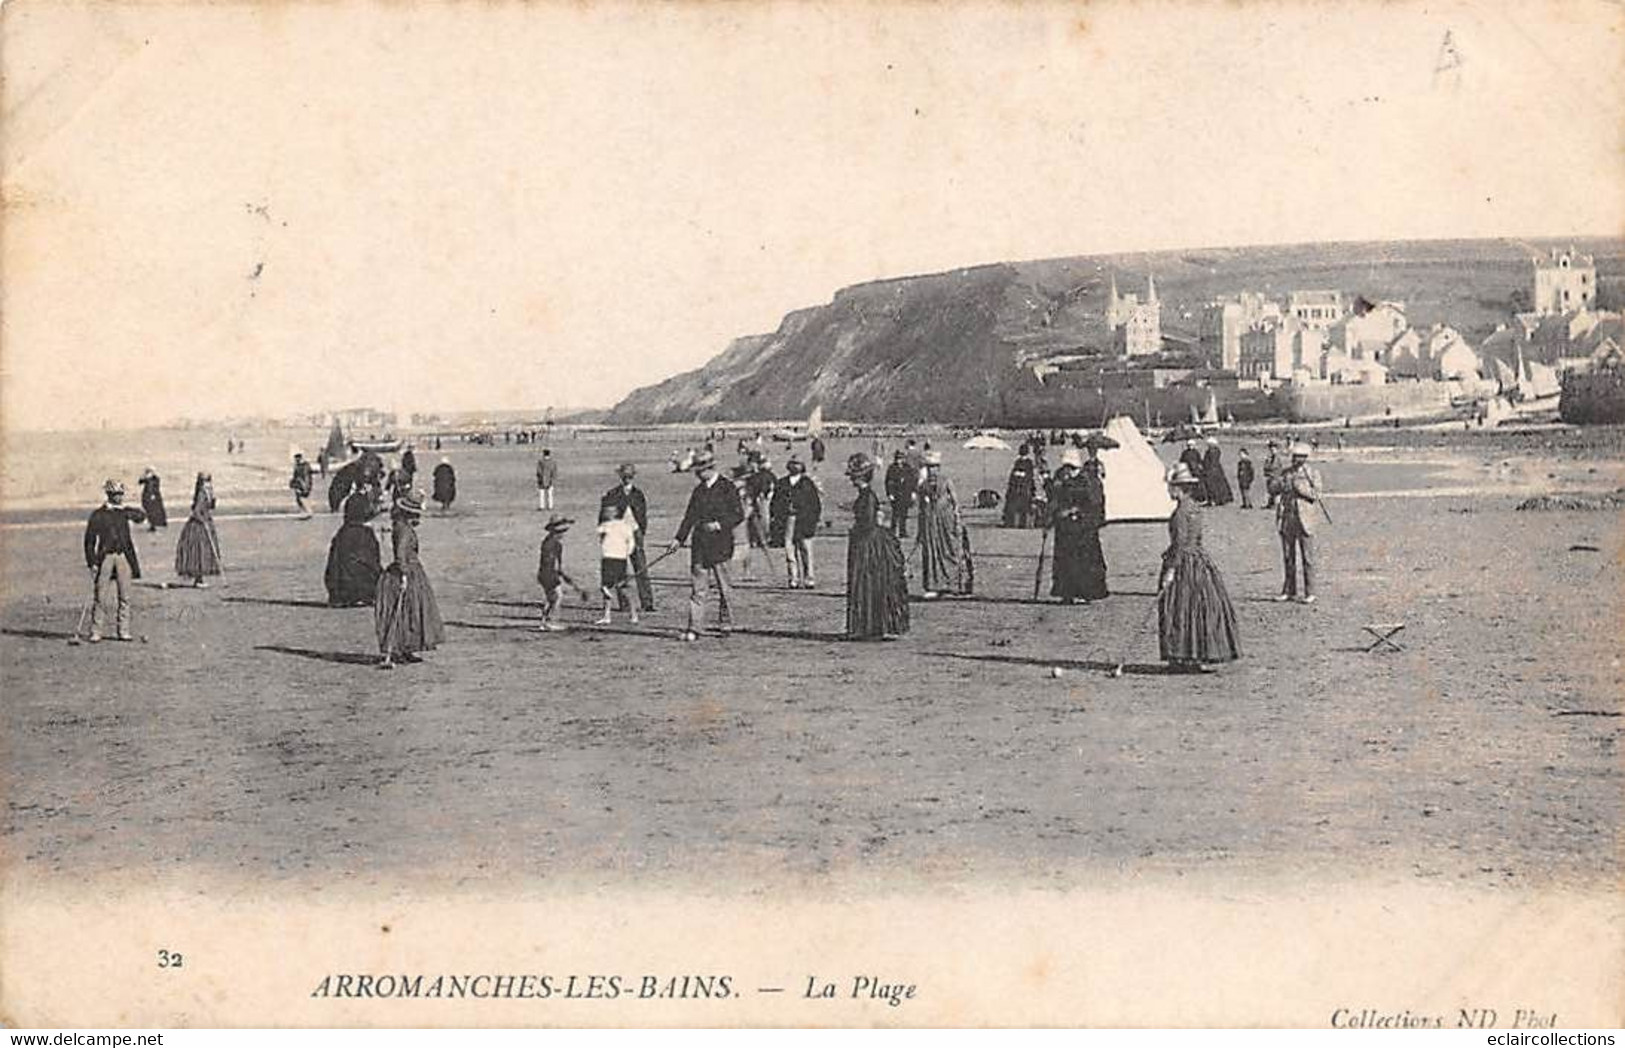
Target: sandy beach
{"type": "Point", "coordinates": [250, 737]}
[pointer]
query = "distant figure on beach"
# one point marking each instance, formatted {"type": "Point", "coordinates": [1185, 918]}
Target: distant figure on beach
{"type": "Point", "coordinates": [902, 477]}
{"type": "Point", "coordinates": [945, 563]}
{"type": "Point", "coordinates": [712, 515]}
{"type": "Point", "coordinates": [301, 482]}
{"type": "Point", "coordinates": [1298, 488]}
{"type": "Point", "coordinates": [152, 500]}
{"type": "Point", "coordinates": [627, 495]}
{"type": "Point", "coordinates": [795, 513]}
{"type": "Point", "coordinates": [1272, 473]}
{"type": "Point", "coordinates": [409, 464]}
{"type": "Point", "coordinates": [816, 447]}
{"type": "Point", "coordinates": [353, 560]}
{"type": "Point", "coordinates": [231, 445]}
{"type": "Point", "coordinates": [1214, 482]}
{"type": "Point", "coordinates": [1018, 490]}
{"type": "Point", "coordinates": [111, 557]}
{"type": "Point", "coordinates": [1196, 623]}
{"type": "Point", "coordinates": [876, 580]}
{"type": "Point", "coordinates": [197, 554]}
{"type": "Point", "coordinates": [1244, 478]}
{"type": "Point", "coordinates": [760, 483]}
{"type": "Point", "coordinates": [404, 612]}
{"type": "Point", "coordinates": [322, 459]}
{"type": "Point", "coordinates": [547, 471]}
{"type": "Point", "coordinates": [445, 484]}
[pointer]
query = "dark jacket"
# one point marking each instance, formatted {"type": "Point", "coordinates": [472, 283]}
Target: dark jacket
{"type": "Point", "coordinates": [632, 502]}
{"type": "Point", "coordinates": [716, 503]}
{"type": "Point", "coordinates": [1244, 473]}
{"type": "Point", "coordinates": [799, 500]}
{"type": "Point", "coordinates": [901, 480]}
{"type": "Point", "coordinates": [108, 531]}
{"type": "Point", "coordinates": [550, 565]}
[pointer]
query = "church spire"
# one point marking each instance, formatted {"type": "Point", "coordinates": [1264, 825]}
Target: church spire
{"type": "Point", "coordinates": [1150, 287]}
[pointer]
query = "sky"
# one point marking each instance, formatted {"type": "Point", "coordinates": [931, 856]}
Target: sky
{"type": "Point", "coordinates": [217, 210]}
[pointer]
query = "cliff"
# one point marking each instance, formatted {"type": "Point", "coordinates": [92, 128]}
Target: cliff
{"type": "Point", "coordinates": [956, 347]}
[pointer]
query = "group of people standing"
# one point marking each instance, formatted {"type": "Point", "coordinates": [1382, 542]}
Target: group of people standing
{"type": "Point", "coordinates": [1197, 623]}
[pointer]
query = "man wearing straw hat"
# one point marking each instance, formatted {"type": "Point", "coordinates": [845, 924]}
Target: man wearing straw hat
{"type": "Point", "coordinates": [1297, 488]}
{"type": "Point", "coordinates": [714, 511]}
{"type": "Point", "coordinates": [110, 554]}
{"type": "Point", "coordinates": [626, 495]}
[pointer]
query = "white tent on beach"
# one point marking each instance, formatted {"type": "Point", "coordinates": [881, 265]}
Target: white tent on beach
{"type": "Point", "coordinates": [1136, 480]}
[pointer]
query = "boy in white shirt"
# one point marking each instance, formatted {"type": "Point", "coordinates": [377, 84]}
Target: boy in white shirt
{"type": "Point", "coordinates": [617, 538]}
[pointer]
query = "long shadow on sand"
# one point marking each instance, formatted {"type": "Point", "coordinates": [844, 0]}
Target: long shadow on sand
{"type": "Point", "coordinates": [528, 625]}
{"type": "Point", "coordinates": [812, 635]}
{"type": "Point", "coordinates": [343, 658]}
{"type": "Point", "coordinates": [1137, 669]}
{"type": "Point", "coordinates": [12, 631]}
{"type": "Point", "coordinates": [285, 603]}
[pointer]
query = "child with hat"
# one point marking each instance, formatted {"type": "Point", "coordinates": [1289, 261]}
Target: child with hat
{"type": "Point", "coordinates": [550, 571]}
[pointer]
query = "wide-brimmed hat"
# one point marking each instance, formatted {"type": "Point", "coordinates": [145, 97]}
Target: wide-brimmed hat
{"type": "Point", "coordinates": [1300, 450]}
{"type": "Point", "coordinates": [558, 523]}
{"type": "Point", "coordinates": [933, 458]}
{"type": "Point", "coordinates": [859, 463]}
{"type": "Point", "coordinates": [1100, 442]}
{"type": "Point", "coordinates": [112, 487]}
{"type": "Point", "coordinates": [1182, 477]}
{"type": "Point", "coordinates": [1072, 457]}
{"type": "Point", "coordinates": [411, 503]}
{"type": "Point", "coordinates": [1214, 441]}
{"type": "Point", "coordinates": [703, 460]}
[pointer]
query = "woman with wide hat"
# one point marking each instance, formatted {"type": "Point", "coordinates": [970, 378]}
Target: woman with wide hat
{"type": "Point", "coordinates": [876, 586]}
{"type": "Point", "coordinates": [945, 563]}
{"type": "Point", "coordinates": [197, 554]}
{"type": "Point", "coordinates": [1196, 623]}
{"type": "Point", "coordinates": [405, 612]}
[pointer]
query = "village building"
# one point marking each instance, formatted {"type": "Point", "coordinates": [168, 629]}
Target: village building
{"type": "Point", "coordinates": [1564, 282]}
{"type": "Point", "coordinates": [1277, 348]}
{"type": "Point", "coordinates": [1224, 319]}
{"type": "Point", "coordinates": [1318, 308]}
{"type": "Point", "coordinates": [1367, 333]}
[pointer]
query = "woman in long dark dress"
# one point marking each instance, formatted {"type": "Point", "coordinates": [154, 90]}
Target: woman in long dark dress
{"type": "Point", "coordinates": [1077, 511]}
{"type": "Point", "coordinates": [353, 563]}
{"type": "Point", "coordinates": [1214, 482]}
{"type": "Point", "coordinates": [876, 583]}
{"type": "Point", "coordinates": [445, 484]}
{"type": "Point", "coordinates": [1196, 623]}
{"type": "Point", "coordinates": [945, 562]}
{"type": "Point", "coordinates": [197, 554]}
{"type": "Point", "coordinates": [1192, 458]}
{"type": "Point", "coordinates": [152, 500]}
{"type": "Point", "coordinates": [404, 612]}
{"type": "Point", "coordinates": [1018, 490]}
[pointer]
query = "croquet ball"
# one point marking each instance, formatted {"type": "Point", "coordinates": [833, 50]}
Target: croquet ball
{"type": "Point", "coordinates": [691, 635]}
{"type": "Point", "coordinates": [143, 638]}
{"type": "Point", "coordinates": [1055, 671]}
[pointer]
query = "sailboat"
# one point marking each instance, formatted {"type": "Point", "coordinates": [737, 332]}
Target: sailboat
{"type": "Point", "coordinates": [337, 450]}
{"type": "Point", "coordinates": [815, 421]}
{"type": "Point", "coordinates": [1210, 414]}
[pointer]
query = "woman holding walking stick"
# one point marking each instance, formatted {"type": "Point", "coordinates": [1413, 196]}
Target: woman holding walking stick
{"type": "Point", "coordinates": [197, 554]}
{"type": "Point", "coordinates": [1196, 623]}
{"type": "Point", "coordinates": [405, 612]}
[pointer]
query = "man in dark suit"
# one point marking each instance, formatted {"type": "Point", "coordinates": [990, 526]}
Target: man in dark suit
{"type": "Point", "coordinates": [627, 496]}
{"type": "Point", "coordinates": [110, 555]}
{"type": "Point", "coordinates": [714, 511]}
{"type": "Point", "coordinates": [902, 477]}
